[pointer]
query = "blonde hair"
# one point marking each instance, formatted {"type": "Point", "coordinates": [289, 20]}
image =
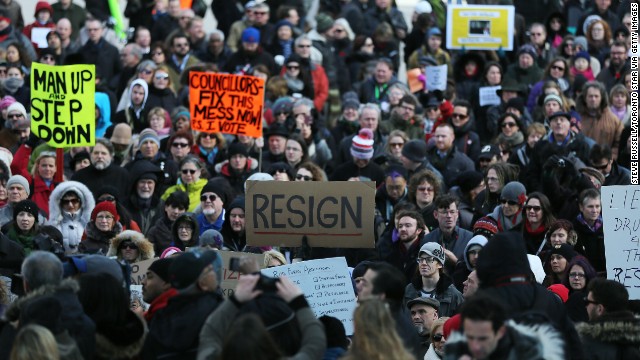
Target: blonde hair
{"type": "Point", "coordinates": [375, 335]}
{"type": "Point", "coordinates": [34, 342]}
{"type": "Point", "coordinates": [273, 254]}
{"type": "Point", "coordinates": [439, 322]}
{"type": "Point", "coordinates": [42, 155]}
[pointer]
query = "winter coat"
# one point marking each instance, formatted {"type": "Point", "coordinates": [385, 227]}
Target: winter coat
{"type": "Point", "coordinates": [6, 215]}
{"type": "Point", "coordinates": [40, 191]}
{"type": "Point", "coordinates": [218, 323]}
{"type": "Point", "coordinates": [97, 241]}
{"type": "Point", "coordinates": [164, 98]}
{"type": "Point", "coordinates": [193, 190]}
{"type": "Point", "coordinates": [614, 335]}
{"type": "Point", "coordinates": [166, 171]}
{"type": "Point", "coordinates": [121, 341]}
{"type": "Point", "coordinates": [236, 180]}
{"type": "Point", "coordinates": [95, 179]}
{"type": "Point", "coordinates": [446, 293]}
{"type": "Point", "coordinates": [591, 244]}
{"type": "Point", "coordinates": [11, 257]}
{"type": "Point", "coordinates": [195, 234]}
{"type": "Point", "coordinates": [70, 225]}
{"type": "Point", "coordinates": [390, 252]}
{"type": "Point", "coordinates": [145, 248]}
{"type": "Point", "coordinates": [527, 77]}
{"type": "Point", "coordinates": [375, 16]}
{"type": "Point", "coordinates": [531, 342]}
{"type": "Point", "coordinates": [431, 354]}
{"type": "Point", "coordinates": [454, 163]}
{"type": "Point", "coordinates": [368, 93]}
{"type": "Point", "coordinates": [160, 234]}
{"type": "Point", "coordinates": [136, 118]}
{"type": "Point", "coordinates": [618, 176]}
{"type": "Point", "coordinates": [412, 127]}
{"type": "Point", "coordinates": [466, 140]}
{"type": "Point", "coordinates": [15, 36]}
{"type": "Point", "coordinates": [466, 84]}
{"type": "Point", "coordinates": [458, 244]}
{"type": "Point", "coordinates": [605, 130]}
{"type": "Point", "coordinates": [242, 60]}
{"type": "Point", "coordinates": [104, 56]}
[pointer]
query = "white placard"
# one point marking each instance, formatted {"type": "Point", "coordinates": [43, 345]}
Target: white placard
{"type": "Point", "coordinates": [436, 77]}
{"type": "Point", "coordinates": [621, 221]}
{"type": "Point", "coordinates": [488, 95]}
{"type": "Point", "coordinates": [39, 36]}
{"type": "Point", "coordinates": [326, 285]}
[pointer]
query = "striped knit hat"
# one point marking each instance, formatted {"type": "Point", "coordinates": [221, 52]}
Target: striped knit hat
{"type": "Point", "coordinates": [362, 145]}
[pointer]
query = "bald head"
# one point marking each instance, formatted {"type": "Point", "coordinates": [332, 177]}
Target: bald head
{"type": "Point", "coordinates": [63, 27]}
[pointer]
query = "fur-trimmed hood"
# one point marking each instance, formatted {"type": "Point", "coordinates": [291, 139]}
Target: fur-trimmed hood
{"type": "Point", "coordinates": [14, 309]}
{"type": "Point", "coordinates": [145, 247]}
{"type": "Point", "coordinates": [121, 341]}
{"type": "Point", "coordinates": [85, 195]}
{"type": "Point", "coordinates": [525, 342]}
{"type": "Point", "coordinates": [620, 328]}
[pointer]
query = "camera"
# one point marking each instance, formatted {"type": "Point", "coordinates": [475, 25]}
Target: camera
{"type": "Point", "coordinates": [265, 283]}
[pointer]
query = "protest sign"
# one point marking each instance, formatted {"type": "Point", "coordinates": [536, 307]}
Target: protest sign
{"type": "Point", "coordinates": [326, 285]}
{"type": "Point", "coordinates": [436, 77]}
{"type": "Point", "coordinates": [39, 36]}
{"type": "Point", "coordinates": [230, 278]}
{"type": "Point", "coordinates": [480, 27]}
{"type": "Point", "coordinates": [489, 96]}
{"type": "Point", "coordinates": [621, 221]}
{"type": "Point", "coordinates": [330, 214]}
{"type": "Point", "coordinates": [139, 271]}
{"type": "Point", "coordinates": [63, 104]}
{"type": "Point", "coordinates": [226, 103]}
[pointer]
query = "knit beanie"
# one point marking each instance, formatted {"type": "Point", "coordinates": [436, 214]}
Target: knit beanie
{"type": "Point", "coordinates": [516, 103]}
{"type": "Point", "coordinates": [485, 226]}
{"type": "Point", "coordinates": [148, 134]}
{"type": "Point", "coordinates": [16, 106]}
{"type": "Point", "coordinates": [553, 97]}
{"type": "Point", "coordinates": [560, 290]}
{"type": "Point", "coordinates": [20, 180]}
{"type": "Point", "coordinates": [217, 187]}
{"type": "Point", "coordinates": [179, 112]}
{"type": "Point", "coordinates": [238, 149]}
{"type": "Point", "coordinates": [362, 145]}
{"type": "Point", "coordinates": [6, 101]}
{"type": "Point", "coordinates": [514, 191]}
{"type": "Point", "coordinates": [213, 238]}
{"type": "Point", "coordinates": [469, 180]}
{"type": "Point", "coordinates": [105, 206]}
{"type": "Point", "coordinates": [582, 42]}
{"type": "Point", "coordinates": [26, 206]}
{"type": "Point", "coordinates": [528, 49]}
{"type": "Point", "coordinates": [415, 150]}
{"type": "Point", "coordinates": [324, 22]}
{"type": "Point", "coordinates": [565, 250]}
{"type": "Point", "coordinates": [582, 55]}
{"type": "Point", "coordinates": [161, 268]}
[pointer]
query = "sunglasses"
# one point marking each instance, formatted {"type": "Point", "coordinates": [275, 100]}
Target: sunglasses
{"type": "Point", "coordinates": [510, 202]}
{"type": "Point", "coordinates": [282, 113]}
{"type": "Point", "coordinates": [180, 145]}
{"type": "Point", "coordinates": [70, 201]}
{"type": "Point", "coordinates": [107, 198]}
{"type": "Point", "coordinates": [146, 71]}
{"type": "Point", "coordinates": [601, 167]}
{"type": "Point", "coordinates": [283, 171]}
{"type": "Point", "coordinates": [560, 68]}
{"type": "Point", "coordinates": [189, 171]}
{"type": "Point", "coordinates": [15, 116]}
{"type": "Point", "coordinates": [399, 145]}
{"type": "Point", "coordinates": [162, 76]}
{"type": "Point", "coordinates": [533, 207]}
{"type": "Point", "coordinates": [303, 177]}
{"type": "Point", "coordinates": [459, 116]}
{"type": "Point", "coordinates": [438, 337]}
{"type": "Point", "coordinates": [208, 135]}
{"type": "Point", "coordinates": [128, 245]}
{"type": "Point", "coordinates": [304, 46]}
{"type": "Point", "coordinates": [508, 124]}
{"type": "Point", "coordinates": [211, 198]}
{"type": "Point", "coordinates": [293, 67]}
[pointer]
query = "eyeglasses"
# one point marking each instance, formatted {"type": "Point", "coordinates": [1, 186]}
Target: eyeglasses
{"type": "Point", "coordinates": [162, 76]}
{"type": "Point", "coordinates": [188, 171]}
{"type": "Point", "coordinates": [304, 46]}
{"type": "Point", "coordinates": [184, 228]}
{"type": "Point", "coordinates": [426, 260]}
{"type": "Point", "coordinates": [577, 275]}
{"type": "Point", "coordinates": [293, 67]}
{"type": "Point", "coordinates": [211, 198]}
{"type": "Point", "coordinates": [129, 245]}
{"type": "Point", "coordinates": [587, 301]}
{"type": "Point", "coordinates": [180, 145]}
{"type": "Point", "coordinates": [425, 189]}
{"type": "Point", "coordinates": [508, 124]}
{"type": "Point", "coordinates": [438, 337]}
{"type": "Point", "coordinates": [533, 207]}
{"type": "Point", "coordinates": [459, 116]}
{"type": "Point", "coordinates": [146, 71]}
{"type": "Point", "coordinates": [107, 198]}
{"type": "Point", "coordinates": [509, 202]}
{"type": "Point", "coordinates": [70, 201]}
{"type": "Point", "coordinates": [559, 68]}
{"type": "Point", "coordinates": [303, 177]}
{"type": "Point", "coordinates": [104, 217]}
{"type": "Point", "coordinates": [260, 12]}
{"type": "Point", "coordinates": [396, 145]}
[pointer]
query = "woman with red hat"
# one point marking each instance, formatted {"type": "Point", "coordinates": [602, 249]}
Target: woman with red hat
{"type": "Point", "coordinates": [104, 225]}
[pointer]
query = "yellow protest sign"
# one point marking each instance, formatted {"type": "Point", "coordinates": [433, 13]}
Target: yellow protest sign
{"type": "Point", "coordinates": [63, 104]}
{"type": "Point", "coordinates": [226, 103]}
{"type": "Point", "coordinates": [480, 27]}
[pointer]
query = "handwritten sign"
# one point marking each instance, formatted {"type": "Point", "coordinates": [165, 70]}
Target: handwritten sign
{"type": "Point", "coordinates": [226, 103]}
{"type": "Point", "coordinates": [230, 278]}
{"type": "Point", "coordinates": [488, 95]}
{"type": "Point", "coordinates": [139, 271]}
{"type": "Point", "coordinates": [330, 214]}
{"type": "Point", "coordinates": [326, 285]}
{"type": "Point", "coordinates": [480, 27]}
{"type": "Point", "coordinates": [621, 218]}
{"type": "Point", "coordinates": [63, 104]}
{"type": "Point", "coordinates": [436, 77]}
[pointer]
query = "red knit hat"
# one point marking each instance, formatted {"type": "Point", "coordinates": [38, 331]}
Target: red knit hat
{"type": "Point", "coordinates": [362, 144]}
{"type": "Point", "coordinates": [43, 5]}
{"type": "Point", "coordinates": [105, 206]}
{"type": "Point", "coordinates": [560, 290]}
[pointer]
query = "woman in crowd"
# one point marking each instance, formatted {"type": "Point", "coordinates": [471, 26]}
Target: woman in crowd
{"type": "Point", "coordinates": [491, 76]}
{"type": "Point", "coordinates": [362, 54]}
{"type": "Point", "coordinates": [161, 93]}
{"type": "Point", "coordinates": [131, 247]}
{"type": "Point", "coordinates": [619, 96]}
{"type": "Point", "coordinates": [24, 226]}
{"type": "Point", "coordinates": [41, 176]}
{"type": "Point", "coordinates": [191, 181]}
{"type": "Point", "coordinates": [160, 233]}
{"type": "Point", "coordinates": [296, 151]}
{"type": "Point", "coordinates": [273, 258]}
{"type": "Point", "coordinates": [104, 226]}
{"type": "Point", "coordinates": [538, 219]}
{"type": "Point", "coordinates": [158, 120]}
{"type": "Point", "coordinates": [15, 85]}
{"type": "Point", "coordinates": [394, 145]}
{"type": "Point", "coordinates": [34, 342]}
{"type": "Point", "coordinates": [109, 193]}
{"type": "Point", "coordinates": [599, 37]}
{"type": "Point", "coordinates": [468, 185]}
{"type": "Point", "coordinates": [512, 199]}
{"type": "Point", "coordinates": [281, 171]}
{"type": "Point", "coordinates": [556, 71]}
{"type": "Point", "coordinates": [496, 176]}
{"type": "Point", "coordinates": [424, 187]}
{"type": "Point", "coordinates": [511, 130]}
{"type": "Point", "coordinates": [184, 232]}
{"type": "Point", "coordinates": [210, 148]}
{"type": "Point", "coordinates": [70, 207]}
{"type": "Point", "coordinates": [159, 53]}
{"type": "Point", "coordinates": [18, 56]}
{"type": "Point", "coordinates": [4, 194]}
{"type": "Point", "coordinates": [238, 167]}
{"type": "Point", "coordinates": [299, 80]}
{"type": "Point", "coordinates": [556, 264]}
{"type": "Point", "coordinates": [436, 349]}
{"type": "Point", "coordinates": [282, 42]}
{"type": "Point", "coordinates": [579, 276]}
{"type": "Point", "coordinates": [309, 171]}
{"type": "Point", "coordinates": [179, 145]}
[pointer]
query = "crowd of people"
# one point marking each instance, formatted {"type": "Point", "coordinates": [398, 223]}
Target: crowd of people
{"type": "Point", "coordinates": [489, 240]}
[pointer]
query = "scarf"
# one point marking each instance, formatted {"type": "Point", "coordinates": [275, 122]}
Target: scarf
{"type": "Point", "coordinates": [530, 231]}
{"type": "Point", "coordinates": [210, 155]}
{"type": "Point", "coordinates": [513, 140]}
{"type": "Point", "coordinates": [295, 85]}
{"type": "Point", "coordinates": [286, 48]}
{"type": "Point", "coordinates": [25, 240]}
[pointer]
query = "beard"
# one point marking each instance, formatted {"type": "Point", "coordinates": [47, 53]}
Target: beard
{"type": "Point", "coordinates": [101, 165]}
{"type": "Point", "coordinates": [209, 212]}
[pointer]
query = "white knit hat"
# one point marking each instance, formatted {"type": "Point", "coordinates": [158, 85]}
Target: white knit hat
{"type": "Point", "coordinates": [362, 145]}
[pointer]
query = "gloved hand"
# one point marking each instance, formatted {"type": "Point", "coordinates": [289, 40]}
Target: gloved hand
{"type": "Point", "coordinates": [32, 141]}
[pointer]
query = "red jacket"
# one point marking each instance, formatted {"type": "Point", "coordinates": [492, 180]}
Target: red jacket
{"type": "Point", "coordinates": [40, 192]}
{"type": "Point", "coordinates": [27, 30]}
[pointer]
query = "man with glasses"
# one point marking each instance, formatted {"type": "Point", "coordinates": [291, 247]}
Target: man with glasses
{"type": "Point", "coordinates": [538, 38]}
{"type": "Point", "coordinates": [612, 329]}
{"type": "Point", "coordinates": [601, 158]}
{"type": "Point", "coordinates": [433, 282]}
{"type": "Point", "coordinates": [311, 59]}
{"type": "Point", "coordinates": [212, 199]}
{"type": "Point", "coordinates": [445, 157]}
{"type": "Point", "coordinates": [99, 52]}
{"type": "Point", "coordinates": [463, 120]}
{"type": "Point", "coordinates": [261, 14]}
{"type": "Point", "coordinates": [449, 234]}
{"type": "Point", "coordinates": [403, 117]}
{"type": "Point", "coordinates": [619, 64]}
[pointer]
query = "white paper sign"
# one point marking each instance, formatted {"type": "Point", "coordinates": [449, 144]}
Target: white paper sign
{"type": "Point", "coordinates": [326, 285]}
{"type": "Point", "coordinates": [39, 36]}
{"type": "Point", "coordinates": [488, 95]}
{"type": "Point", "coordinates": [621, 219]}
{"type": "Point", "coordinates": [436, 77]}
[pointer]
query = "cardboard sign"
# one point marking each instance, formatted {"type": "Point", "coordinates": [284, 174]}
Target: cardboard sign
{"type": "Point", "coordinates": [63, 104]}
{"type": "Point", "coordinates": [226, 103]}
{"type": "Point", "coordinates": [621, 221]}
{"type": "Point", "coordinates": [326, 285]}
{"type": "Point", "coordinates": [488, 95]}
{"type": "Point", "coordinates": [480, 27]}
{"type": "Point", "coordinates": [139, 271]}
{"type": "Point", "coordinates": [436, 77]}
{"type": "Point", "coordinates": [230, 278]}
{"type": "Point", "coordinates": [330, 213]}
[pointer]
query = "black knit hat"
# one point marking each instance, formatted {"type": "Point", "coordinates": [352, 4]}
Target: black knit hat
{"type": "Point", "coordinates": [469, 180]}
{"type": "Point", "coordinates": [415, 150]}
{"type": "Point", "coordinates": [495, 267]}
{"type": "Point", "coordinates": [218, 186]}
{"type": "Point", "coordinates": [335, 332]}
{"type": "Point", "coordinates": [27, 206]}
{"type": "Point", "coordinates": [564, 250]}
{"type": "Point", "coordinates": [238, 149]}
{"type": "Point", "coordinates": [161, 268]}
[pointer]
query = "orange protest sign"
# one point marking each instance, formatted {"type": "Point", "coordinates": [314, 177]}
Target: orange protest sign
{"type": "Point", "coordinates": [226, 103]}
